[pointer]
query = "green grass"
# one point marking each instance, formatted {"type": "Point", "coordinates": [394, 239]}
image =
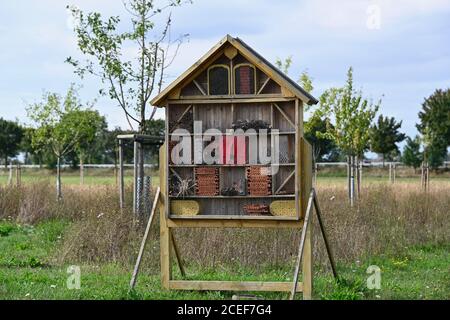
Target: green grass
{"type": "Point", "coordinates": [75, 180]}
{"type": "Point", "coordinates": [71, 179]}
{"type": "Point", "coordinates": [28, 270]}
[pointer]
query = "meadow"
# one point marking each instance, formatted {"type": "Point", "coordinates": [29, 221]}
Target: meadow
{"type": "Point", "coordinates": [397, 227]}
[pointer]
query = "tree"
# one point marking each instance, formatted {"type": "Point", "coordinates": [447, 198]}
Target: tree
{"type": "Point", "coordinates": [324, 149]}
{"type": "Point", "coordinates": [55, 129]}
{"type": "Point", "coordinates": [412, 156]}
{"type": "Point", "coordinates": [352, 115]}
{"type": "Point", "coordinates": [384, 136]}
{"type": "Point", "coordinates": [91, 127]}
{"type": "Point", "coordinates": [11, 134]}
{"type": "Point", "coordinates": [284, 65]}
{"type": "Point", "coordinates": [130, 82]}
{"type": "Point", "coordinates": [435, 126]}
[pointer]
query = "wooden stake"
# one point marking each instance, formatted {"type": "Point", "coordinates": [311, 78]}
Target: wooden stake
{"type": "Point", "coordinates": [177, 255]}
{"type": "Point", "coordinates": [325, 237]}
{"type": "Point", "coordinates": [144, 240]}
{"type": "Point", "coordinates": [121, 179]}
{"type": "Point", "coordinates": [301, 245]}
{"type": "Point", "coordinates": [305, 246]}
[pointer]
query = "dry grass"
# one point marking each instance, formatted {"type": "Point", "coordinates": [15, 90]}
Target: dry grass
{"type": "Point", "coordinates": [387, 219]}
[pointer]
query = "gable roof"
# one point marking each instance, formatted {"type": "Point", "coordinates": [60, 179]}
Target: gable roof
{"type": "Point", "coordinates": [250, 54]}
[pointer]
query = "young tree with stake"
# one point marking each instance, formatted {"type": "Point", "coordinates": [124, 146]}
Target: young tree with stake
{"type": "Point", "coordinates": [352, 115]}
{"type": "Point", "coordinates": [129, 82]}
{"type": "Point", "coordinates": [57, 128]}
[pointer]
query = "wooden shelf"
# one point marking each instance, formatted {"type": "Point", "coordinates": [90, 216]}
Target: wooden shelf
{"type": "Point", "coordinates": [228, 134]}
{"type": "Point", "coordinates": [234, 197]}
{"type": "Point", "coordinates": [233, 217]}
{"type": "Point", "coordinates": [229, 165]}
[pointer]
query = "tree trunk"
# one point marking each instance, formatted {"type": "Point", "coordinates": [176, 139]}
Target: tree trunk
{"type": "Point", "coordinates": [81, 169]}
{"type": "Point", "coordinates": [58, 179]}
{"type": "Point", "coordinates": [352, 180]}
{"type": "Point", "coordinates": [358, 176]}
{"type": "Point", "coordinates": [348, 176]}
{"type": "Point", "coordinates": [6, 162]}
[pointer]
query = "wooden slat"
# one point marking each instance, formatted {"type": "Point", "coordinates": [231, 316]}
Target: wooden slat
{"type": "Point", "coordinates": [228, 100]}
{"type": "Point", "coordinates": [144, 239]}
{"type": "Point", "coordinates": [301, 246]}
{"type": "Point", "coordinates": [233, 285]}
{"type": "Point", "coordinates": [177, 255]}
{"type": "Point", "coordinates": [183, 114]}
{"type": "Point", "coordinates": [199, 87]}
{"type": "Point", "coordinates": [164, 229]}
{"type": "Point", "coordinates": [285, 181]}
{"type": "Point", "coordinates": [263, 85]}
{"type": "Point", "coordinates": [222, 223]}
{"type": "Point", "coordinates": [284, 115]}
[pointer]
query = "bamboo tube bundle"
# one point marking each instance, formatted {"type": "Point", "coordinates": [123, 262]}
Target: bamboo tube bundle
{"type": "Point", "coordinates": [184, 207]}
{"type": "Point", "coordinates": [283, 208]}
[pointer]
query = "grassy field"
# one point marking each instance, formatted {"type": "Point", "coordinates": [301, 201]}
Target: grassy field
{"type": "Point", "coordinates": [28, 271]}
{"type": "Point", "coordinates": [399, 228]}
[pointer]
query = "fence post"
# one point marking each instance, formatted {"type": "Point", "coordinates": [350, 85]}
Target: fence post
{"type": "Point", "coordinates": [10, 173]}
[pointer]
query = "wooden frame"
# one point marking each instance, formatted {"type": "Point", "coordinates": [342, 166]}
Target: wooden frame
{"type": "Point", "coordinates": [221, 65]}
{"type": "Point", "coordinates": [168, 223]}
{"type": "Point", "coordinates": [244, 64]}
{"type": "Point", "coordinates": [284, 111]}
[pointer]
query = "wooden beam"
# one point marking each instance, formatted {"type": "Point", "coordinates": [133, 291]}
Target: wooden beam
{"type": "Point", "coordinates": [233, 285]}
{"type": "Point", "coordinates": [228, 100]}
{"type": "Point", "coordinates": [166, 271]}
{"type": "Point", "coordinates": [199, 87]}
{"type": "Point", "coordinates": [175, 173]}
{"type": "Point", "coordinates": [301, 246]}
{"type": "Point", "coordinates": [307, 263]}
{"type": "Point", "coordinates": [177, 254]}
{"type": "Point", "coordinates": [241, 223]}
{"type": "Point", "coordinates": [324, 234]}
{"type": "Point", "coordinates": [263, 85]}
{"type": "Point", "coordinates": [184, 113]}
{"type": "Point", "coordinates": [285, 181]}
{"type": "Point", "coordinates": [284, 115]}
{"type": "Point", "coordinates": [144, 240]}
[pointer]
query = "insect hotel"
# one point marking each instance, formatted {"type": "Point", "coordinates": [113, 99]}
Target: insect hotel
{"type": "Point", "coordinates": [235, 157]}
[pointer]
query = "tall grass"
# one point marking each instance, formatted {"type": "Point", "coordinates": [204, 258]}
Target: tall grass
{"type": "Point", "coordinates": [387, 218]}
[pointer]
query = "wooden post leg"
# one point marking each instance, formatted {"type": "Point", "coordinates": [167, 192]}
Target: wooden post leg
{"type": "Point", "coordinates": [177, 255]}
{"type": "Point", "coordinates": [301, 246]}
{"type": "Point", "coordinates": [166, 270]}
{"type": "Point", "coordinates": [324, 235]}
{"type": "Point", "coordinates": [144, 240]}
{"type": "Point", "coordinates": [307, 264]}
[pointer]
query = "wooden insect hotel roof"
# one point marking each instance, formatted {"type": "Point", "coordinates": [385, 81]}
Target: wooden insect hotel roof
{"type": "Point", "coordinates": [230, 46]}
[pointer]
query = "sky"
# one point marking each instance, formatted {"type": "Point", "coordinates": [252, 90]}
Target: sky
{"type": "Point", "coordinates": [399, 49]}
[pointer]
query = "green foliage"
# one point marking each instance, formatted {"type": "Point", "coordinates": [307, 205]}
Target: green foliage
{"type": "Point", "coordinates": [92, 127]}
{"type": "Point", "coordinates": [411, 152]}
{"type": "Point", "coordinates": [352, 115]}
{"type": "Point", "coordinates": [324, 148]}
{"type": "Point", "coordinates": [11, 134]}
{"type": "Point", "coordinates": [384, 136]}
{"type": "Point", "coordinates": [284, 65]}
{"type": "Point", "coordinates": [306, 81]}
{"type": "Point", "coordinates": [435, 126]}
{"type": "Point", "coordinates": [56, 130]}
{"type": "Point", "coordinates": [435, 116]}
{"type": "Point", "coordinates": [130, 82]}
